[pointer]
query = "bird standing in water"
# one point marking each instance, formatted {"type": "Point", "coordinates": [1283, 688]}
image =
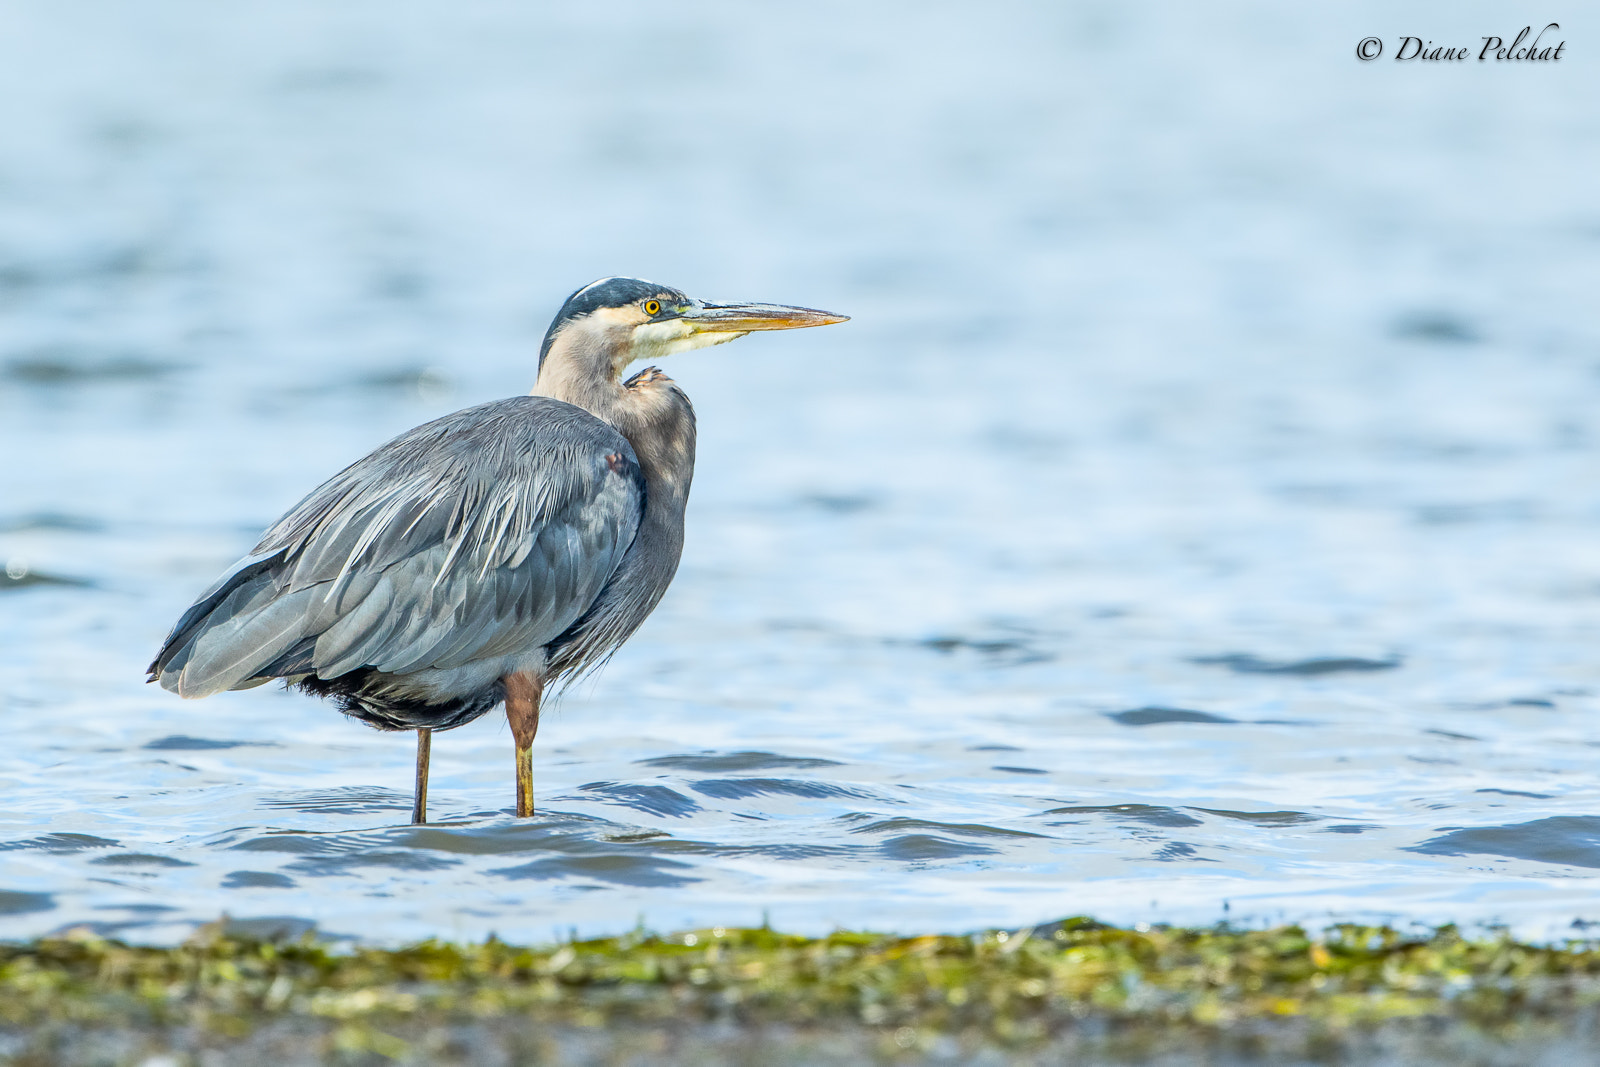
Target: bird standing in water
{"type": "Point", "coordinates": [482, 557]}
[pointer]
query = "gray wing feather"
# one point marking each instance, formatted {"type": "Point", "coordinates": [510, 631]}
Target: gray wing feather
{"type": "Point", "coordinates": [250, 574]}
{"type": "Point", "coordinates": [482, 534]}
{"type": "Point", "coordinates": [345, 645]}
{"type": "Point", "coordinates": [229, 652]}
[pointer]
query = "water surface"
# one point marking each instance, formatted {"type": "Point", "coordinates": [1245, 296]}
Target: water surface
{"type": "Point", "coordinates": [1198, 518]}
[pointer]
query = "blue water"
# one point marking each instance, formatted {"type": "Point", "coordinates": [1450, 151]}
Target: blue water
{"type": "Point", "coordinates": [1199, 516]}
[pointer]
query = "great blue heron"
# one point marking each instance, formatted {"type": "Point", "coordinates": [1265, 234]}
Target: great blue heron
{"type": "Point", "coordinates": [482, 556]}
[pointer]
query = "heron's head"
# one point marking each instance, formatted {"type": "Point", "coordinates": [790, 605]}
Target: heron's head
{"type": "Point", "coordinates": [613, 322]}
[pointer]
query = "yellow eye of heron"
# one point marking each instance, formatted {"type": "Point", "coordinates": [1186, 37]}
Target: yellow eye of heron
{"type": "Point", "coordinates": [652, 307]}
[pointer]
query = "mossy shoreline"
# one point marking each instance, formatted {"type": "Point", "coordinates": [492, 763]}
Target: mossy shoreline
{"type": "Point", "coordinates": [1101, 993]}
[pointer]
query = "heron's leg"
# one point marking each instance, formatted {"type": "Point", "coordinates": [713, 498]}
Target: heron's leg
{"type": "Point", "coordinates": [419, 807]}
{"type": "Point", "coordinates": [522, 711]}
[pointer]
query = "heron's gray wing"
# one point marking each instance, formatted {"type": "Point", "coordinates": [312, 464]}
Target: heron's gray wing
{"type": "Point", "coordinates": [481, 534]}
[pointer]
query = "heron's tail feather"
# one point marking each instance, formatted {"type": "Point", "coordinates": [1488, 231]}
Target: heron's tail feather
{"type": "Point", "coordinates": [238, 626]}
{"type": "Point", "coordinates": [234, 649]}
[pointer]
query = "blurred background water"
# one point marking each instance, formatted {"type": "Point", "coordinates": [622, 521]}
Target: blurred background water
{"type": "Point", "coordinates": [1198, 518]}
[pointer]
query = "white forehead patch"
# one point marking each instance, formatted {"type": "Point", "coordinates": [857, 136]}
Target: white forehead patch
{"type": "Point", "coordinates": [612, 278]}
{"type": "Point", "coordinates": [592, 284]}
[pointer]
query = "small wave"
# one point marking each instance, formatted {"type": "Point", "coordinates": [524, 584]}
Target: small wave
{"type": "Point", "coordinates": [1154, 716]}
{"type": "Point", "coordinates": [1568, 840]}
{"type": "Point", "coordinates": [903, 825]}
{"type": "Point", "coordinates": [20, 578]}
{"type": "Point", "coordinates": [63, 367]}
{"type": "Point", "coordinates": [543, 832]}
{"type": "Point", "coordinates": [741, 788]}
{"type": "Point", "coordinates": [712, 762]}
{"type": "Point", "coordinates": [652, 799]}
{"type": "Point", "coordinates": [139, 859]}
{"type": "Point", "coordinates": [295, 843]}
{"type": "Point", "coordinates": [352, 862]}
{"type": "Point", "coordinates": [1241, 663]}
{"type": "Point", "coordinates": [914, 847]}
{"type": "Point", "coordinates": [1174, 850]}
{"type": "Point", "coordinates": [184, 743]}
{"type": "Point", "coordinates": [60, 842]}
{"type": "Point", "coordinates": [14, 903]}
{"type": "Point", "coordinates": [257, 880]}
{"type": "Point", "coordinates": [340, 800]}
{"type": "Point", "coordinates": [1148, 814]}
{"type": "Point", "coordinates": [1263, 818]}
{"type": "Point", "coordinates": [618, 868]}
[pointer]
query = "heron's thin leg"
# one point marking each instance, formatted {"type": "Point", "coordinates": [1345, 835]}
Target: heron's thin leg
{"type": "Point", "coordinates": [419, 807]}
{"type": "Point", "coordinates": [522, 711]}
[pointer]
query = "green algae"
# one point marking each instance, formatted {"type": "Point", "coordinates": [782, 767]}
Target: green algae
{"type": "Point", "coordinates": [1147, 988]}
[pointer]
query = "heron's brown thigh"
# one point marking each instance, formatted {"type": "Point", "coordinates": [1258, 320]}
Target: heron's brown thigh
{"type": "Point", "coordinates": [522, 706]}
{"type": "Point", "coordinates": [522, 711]}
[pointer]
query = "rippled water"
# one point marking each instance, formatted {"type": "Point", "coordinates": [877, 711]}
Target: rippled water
{"type": "Point", "coordinates": [1199, 516]}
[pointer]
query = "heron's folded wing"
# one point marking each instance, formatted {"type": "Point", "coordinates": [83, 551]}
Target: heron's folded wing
{"type": "Point", "coordinates": [439, 609]}
{"type": "Point", "coordinates": [482, 534]}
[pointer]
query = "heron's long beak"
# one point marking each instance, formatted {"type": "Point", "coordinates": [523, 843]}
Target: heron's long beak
{"type": "Point", "coordinates": [747, 318]}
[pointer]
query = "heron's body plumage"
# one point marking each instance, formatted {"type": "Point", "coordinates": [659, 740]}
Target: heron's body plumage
{"type": "Point", "coordinates": [411, 582]}
{"type": "Point", "coordinates": [484, 556]}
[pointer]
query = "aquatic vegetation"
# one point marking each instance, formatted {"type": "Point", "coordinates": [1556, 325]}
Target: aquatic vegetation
{"type": "Point", "coordinates": [1019, 990]}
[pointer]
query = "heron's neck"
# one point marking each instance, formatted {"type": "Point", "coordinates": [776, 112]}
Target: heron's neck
{"type": "Point", "coordinates": [576, 368]}
{"type": "Point", "coordinates": [658, 421]}
{"type": "Point", "coordinates": [650, 411]}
